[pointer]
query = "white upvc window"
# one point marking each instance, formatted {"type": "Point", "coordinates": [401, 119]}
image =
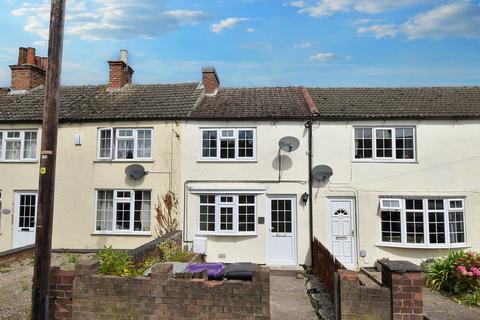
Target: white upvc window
{"type": "Point", "coordinates": [123, 211]}
{"type": "Point", "coordinates": [228, 144]}
{"type": "Point", "coordinates": [125, 143]}
{"type": "Point", "coordinates": [18, 145]}
{"type": "Point", "coordinates": [227, 214]}
{"type": "Point", "coordinates": [423, 223]}
{"type": "Point", "coordinates": [384, 144]}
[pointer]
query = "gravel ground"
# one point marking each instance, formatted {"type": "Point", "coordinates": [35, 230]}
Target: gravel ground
{"type": "Point", "coordinates": [16, 284]}
{"type": "Point", "coordinates": [319, 298]}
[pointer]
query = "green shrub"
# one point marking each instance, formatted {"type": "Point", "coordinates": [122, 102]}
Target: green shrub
{"type": "Point", "coordinates": [171, 253]}
{"type": "Point", "coordinates": [457, 274]}
{"type": "Point", "coordinates": [114, 263]}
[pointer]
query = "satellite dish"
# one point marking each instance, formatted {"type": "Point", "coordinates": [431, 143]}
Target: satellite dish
{"type": "Point", "coordinates": [322, 172]}
{"type": "Point", "coordinates": [135, 171]}
{"type": "Point", "coordinates": [6, 211]}
{"type": "Point", "coordinates": [289, 144]}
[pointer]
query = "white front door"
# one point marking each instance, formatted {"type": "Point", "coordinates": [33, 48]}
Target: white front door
{"type": "Point", "coordinates": [342, 231]}
{"type": "Point", "coordinates": [25, 212]}
{"type": "Point", "coordinates": [281, 231]}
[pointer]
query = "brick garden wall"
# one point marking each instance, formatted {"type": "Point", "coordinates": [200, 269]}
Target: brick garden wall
{"type": "Point", "coordinates": [162, 297]}
{"type": "Point", "coordinates": [362, 299]}
{"type": "Point", "coordinates": [84, 294]}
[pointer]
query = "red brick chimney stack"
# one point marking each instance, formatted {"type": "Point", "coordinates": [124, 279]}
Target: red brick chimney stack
{"type": "Point", "coordinates": [211, 82]}
{"type": "Point", "coordinates": [30, 72]}
{"type": "Point", "coordinates": [120, 72]}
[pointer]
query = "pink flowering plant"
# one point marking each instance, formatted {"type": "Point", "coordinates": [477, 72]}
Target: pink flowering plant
{"type": "Point", "coordinates": [458, 275]}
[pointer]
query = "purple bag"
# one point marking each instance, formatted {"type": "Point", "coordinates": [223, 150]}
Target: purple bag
{"type": "Point", "coordinates": [214, 270]}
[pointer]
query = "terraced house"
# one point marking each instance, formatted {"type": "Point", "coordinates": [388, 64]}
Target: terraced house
{"type": "Point", "coordinates": [370, 172]}
{"type": "Point", "coordinates": [103, 129]}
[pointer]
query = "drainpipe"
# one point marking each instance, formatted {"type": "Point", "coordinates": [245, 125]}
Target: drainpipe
{"type": "Point", "coordinates": [308, 125]}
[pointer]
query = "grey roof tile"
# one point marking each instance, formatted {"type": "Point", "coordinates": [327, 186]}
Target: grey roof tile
{"type": "Point", "coordinates": [253, 103]}
{"type": "Point", "coordinates": [384, 103]}
{"type": "Point", "coordinates": [84, 103]}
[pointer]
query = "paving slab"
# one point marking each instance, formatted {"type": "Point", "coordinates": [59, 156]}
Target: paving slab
{"type": "Point", "coordinates": [289, 300]}
{"type": "Point", "coordinates": [438, 307]}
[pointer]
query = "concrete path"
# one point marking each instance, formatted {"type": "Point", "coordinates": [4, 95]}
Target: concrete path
{"type": "Point", "coordinates": [288, 299]}
{"type": "Point", "coordinates": [438, 307]}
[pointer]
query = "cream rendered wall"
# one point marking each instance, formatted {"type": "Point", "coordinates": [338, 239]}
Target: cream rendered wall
{"type": "Point", "coordinates": [448, 164]}
{"type": "Point", "coordinates": [261, 174]}
{"type": "Point", "coordinates": [15, 176]}
{"type": "Point", "coordinates": [79, 174]}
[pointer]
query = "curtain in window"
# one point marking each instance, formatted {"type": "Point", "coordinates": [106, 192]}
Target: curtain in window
{"type": "Point", "coordinates": [104, 210]}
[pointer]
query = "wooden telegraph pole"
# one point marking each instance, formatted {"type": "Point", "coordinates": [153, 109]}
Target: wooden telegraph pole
{"type": "Point", "coordinates": [43, 238]}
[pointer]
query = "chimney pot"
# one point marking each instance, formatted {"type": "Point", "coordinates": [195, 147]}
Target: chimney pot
{"type": "Point", "coordinates": [44, 63]}
{"type": "Point", "coordinates": [211, 82]}
{"type": "Point", "coordinates": [30, 55]}
{"type": "Point", "coordinates": [22, 55]}
{"type": "Point", "coordinates": [38, 61]}
{"type": "Point", "coordinates": [124, 56]}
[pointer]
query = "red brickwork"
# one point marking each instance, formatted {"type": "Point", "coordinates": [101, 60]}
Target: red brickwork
{"type": "Point", "coordinates": [362, 299]}
{"type": "Point", "coordinates": [407, 296]}
{"type": "Point", "coordinates": [86, 295]}
{"type": "Point", "coordinates": [120, 74]}
{"type": "Point", "coordinates": [26, 77]}
{"type": "Point", "coordinates": [61, 294]}
{"type": "Point", "coordinates": [210, 80]}
{"type": "Point", "coordinates": [325, 265]}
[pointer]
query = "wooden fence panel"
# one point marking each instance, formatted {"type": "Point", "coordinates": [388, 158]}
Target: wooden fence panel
{"type": "Point", "coordinates": [325, 265]}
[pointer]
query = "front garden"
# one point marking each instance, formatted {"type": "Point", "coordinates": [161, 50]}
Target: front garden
{"type": "Point", "coordinates": [458, 276]}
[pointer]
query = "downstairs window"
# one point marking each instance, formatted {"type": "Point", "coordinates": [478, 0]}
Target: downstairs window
{"type": "Point", "coordinates": [123, 211]}
{"type": "Point", "coordinates": [423, 222]}
{"type": "Point", "coordinates": [227, 214]}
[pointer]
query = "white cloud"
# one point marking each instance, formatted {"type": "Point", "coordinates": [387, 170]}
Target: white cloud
{"type": "Point", "coordinates": [326, 7]}
{"type": "Point", "coordinates": [110, 19]}
{"type": "Point", "coordinates": [297, 4]}
{"type": "Point", "coordinates": [322, 8]}
{"type": "Point", "coordinates": [303, 44]}
{"type": "Point", "coordinates": [328, 57]}
{"type": "Point", "coordinates": [228, 23]}
{"type": "Point", "coordinates": [249, 30]}
{"type": "Point", "coordinates": [379, 30]}
{"type": "Point", "coordinates": [378, 6]}
{"type": "Point", "coordinates": [453, 19]}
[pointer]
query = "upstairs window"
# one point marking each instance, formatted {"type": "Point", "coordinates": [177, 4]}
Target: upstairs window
{"type": "Point", "coordinates": [423, 222]}
{"type": "Point", "coordinates": [124, 144]}
{"type": "Point", "coordinates": [228, 144]}
{"type": "Point", "coordinates": [18, 145]}
{"type": "Point", "coordinates": [385, 144]}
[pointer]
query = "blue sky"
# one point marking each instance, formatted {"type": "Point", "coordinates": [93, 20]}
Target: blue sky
{"type": "Point", "coordinates": [326, 43]}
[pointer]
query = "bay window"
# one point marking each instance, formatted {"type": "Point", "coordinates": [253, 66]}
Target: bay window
{"type": "Point", "coordinates": [228, 144]}
{"type": "Point", "coordinates": [227, 214]}
{"type": "Point", "coordinates": [18, 145]}
{"type": "Point", "coordinates": [427, 222]}
{"type": "Point", "coordinates": [124, 144]}
{"type": "Point", "coordinates": [123, 211]}
{"type": "Point", "coordinates": [384, 143]}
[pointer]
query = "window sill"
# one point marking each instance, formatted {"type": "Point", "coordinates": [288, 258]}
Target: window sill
{"type": "Point", "coordinates": [18, 161]}
{"type": "Point", "coordinates": [387, 161]}
{"type": "Point", "coordinates": [246, 234]}
{"type": "Point", "coordinates": [227, 161]}
{"type": "Point", "coordinates": [128, 234]}
{"type": "Point", "coordinates": [123, 161]}
{"type": "Point", "coordinates": [430, 247]}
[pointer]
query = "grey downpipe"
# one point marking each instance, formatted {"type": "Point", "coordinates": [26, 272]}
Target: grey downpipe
{"type": "Point", "coordinates": [308, 125]}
